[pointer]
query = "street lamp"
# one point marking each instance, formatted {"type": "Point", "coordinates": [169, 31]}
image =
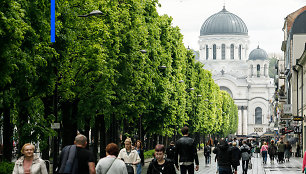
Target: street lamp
{"type": "Point", "coordinates": [162, 67]}
{"type": "Point", "coordinates": [93, 13]}
{"type": "Point", "coordinates": [181, 81]}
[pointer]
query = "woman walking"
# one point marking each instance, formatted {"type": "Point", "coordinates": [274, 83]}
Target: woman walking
{"type": "Point", "coordinates": [129, 156]}
{"type": "Point", "coordinates": [264, 152]}
{"type": "Point", "coordinates": [272, 149]}
{"type": "Point", "coordinates": [110, 163]}
{"type": "Point", "coordinates": [288, 148]}
{"type": "Point", "coordinates": [29, 163]}
{"type": "Point", "coordinates": [140, 153]}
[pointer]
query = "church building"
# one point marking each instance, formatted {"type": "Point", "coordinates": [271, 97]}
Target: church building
{"type": "Point", "coordinates": [224, 44]}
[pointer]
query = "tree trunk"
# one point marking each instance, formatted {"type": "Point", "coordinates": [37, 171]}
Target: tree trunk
{"type": "Point", "coordinates": [7, 134]}
{"type": "Point", "coordinates": [102, 136]}
{"type": "Point", "coordinates": [47, 111]}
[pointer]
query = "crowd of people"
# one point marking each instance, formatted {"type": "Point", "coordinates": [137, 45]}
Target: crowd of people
{"type": "Point", "coordinates": [181, 155]}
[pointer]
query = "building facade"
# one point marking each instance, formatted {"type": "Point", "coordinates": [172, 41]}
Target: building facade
{"type": "Point", "coordinates": [292, 92]}
{"type": "Point", "coordinates": [224, 44]}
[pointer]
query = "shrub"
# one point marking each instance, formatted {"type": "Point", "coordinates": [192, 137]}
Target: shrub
{"type": "Point", "coordinates": [6, 167]}
{"type": "Point", "coordinates": [149, 154]}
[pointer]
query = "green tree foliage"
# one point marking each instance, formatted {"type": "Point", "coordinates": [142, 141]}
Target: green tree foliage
{"type": "Point", "coordinates": [95, 71]}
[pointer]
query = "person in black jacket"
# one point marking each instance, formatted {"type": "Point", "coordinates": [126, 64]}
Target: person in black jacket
{"type": "Point", "coordinates": [207, 153]}
{"type": "Point", "coordinates": [170, 151]}
{"type": "Point", "coordinates": [160, 165]}
{"type": "Point", "coordinates": [224, 157]}
{"type": "Point", "coordinates": [186, 149]}
{"type": "Point", "coordinates": [236, 156]}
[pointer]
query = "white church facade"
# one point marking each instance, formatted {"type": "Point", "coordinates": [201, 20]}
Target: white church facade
{"type": "Point", "coordinates": [224, 45]}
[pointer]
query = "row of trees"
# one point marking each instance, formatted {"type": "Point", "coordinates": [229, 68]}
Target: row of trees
{"type": "Point", "coordinates": [96, 78]}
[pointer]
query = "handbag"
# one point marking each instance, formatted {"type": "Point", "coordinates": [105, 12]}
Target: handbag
{"type": "Point", "coordinates": [129, 168]}
{"type": "Point", "coordinates": [110, 166]}
{"type": "Point", "coordinates": [250, 165]}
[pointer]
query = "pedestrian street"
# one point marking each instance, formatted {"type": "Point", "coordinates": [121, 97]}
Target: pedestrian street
{"type": "Point", "coordinates": [294, 166]}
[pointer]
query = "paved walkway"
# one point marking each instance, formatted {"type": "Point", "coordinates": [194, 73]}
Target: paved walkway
{"type": "Point", "coordinates": [294, 166]}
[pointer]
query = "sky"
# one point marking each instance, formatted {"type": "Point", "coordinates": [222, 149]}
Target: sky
{"type": "Point", "coordinates": [263, 18]}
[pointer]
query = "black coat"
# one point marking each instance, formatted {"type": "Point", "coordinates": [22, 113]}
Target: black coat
{"type": "Point", "coordinates": [186, 149]}
{"type": "Point", "coordinates": [224, 155]}
{"type": "Point", "coordinates": [236, 156]}
{"type": "Point", "coordinates": [166, 168]}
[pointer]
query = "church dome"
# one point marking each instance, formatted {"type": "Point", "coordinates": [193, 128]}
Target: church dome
{"type": "Point", "coordinates": [258, 54]}
{"type": "Point", "coordinates": [223, 23]}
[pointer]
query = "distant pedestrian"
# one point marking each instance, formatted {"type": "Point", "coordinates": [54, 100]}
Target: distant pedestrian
{"type": "Point", "coordinates": [236, 156]}
{"type": "Point", "coordinates": [304, 163]}
{"type": "Point", "coordinates": [215, 142]}
{"type": "Point", "coordinates": [29, 163]}
{"type": "Point", "coordinates": [281, 150]}
{"type": "Point", "coordinates": [264, 152]}
{"type": "Point", "coordinates": [186, 149]}
{"type": "Point", "coordinates": [207, 153]}
{"type": "Point", "coordinates": [110, 163]}
{"type": "Point", "coordinates": [161, 165]}
{"type": "Point", "coordinates": [224, 157]}
{"type": "Point", "coordinates": [245, 156]}
{"type": "Point", "coordinates": [129, 156]}
{"type": "Point", "coordinates": [288, 149]}
{"type": "Point", "coordinates": [294, 149]}
{"type": "Point", "coordinates": [139, 150]}
{"type": "Point", "coordinates": [272, 150]}
{"type": "Point", "coordinates": [170, 151]}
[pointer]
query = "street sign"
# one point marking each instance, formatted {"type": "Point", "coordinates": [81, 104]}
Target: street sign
{"type": "Point", "coordinates": [55, 126]}
{"type": "Point", "coordinates": [287, 109]}
{"type": "Point", "coordinates": [297, 118]}
{"type": "Point", "coordinates": [297, 129]}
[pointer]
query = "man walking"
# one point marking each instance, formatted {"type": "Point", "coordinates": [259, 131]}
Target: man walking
{"type": "Point", "coordinates": [170, 151]}
{"type": "Point", "coordinates": [246, 156]}
{"type": "Point", "coordinates": [186, 149]}
{"type": "Point", "coordinates": [224, 157]}
{"type": "Point", "coordinates": [75, 159]}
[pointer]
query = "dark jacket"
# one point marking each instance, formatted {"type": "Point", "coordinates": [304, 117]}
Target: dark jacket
{"type": "Point", "coordinates": [223, 154]}
{"type": "Point", "coordinates": [272, 149]}
{"type": "Point", "coordinates": [245, 152]}
{"type": "Point", "coordinates": [141, 156]}
{"type": "Point", "coordinates": [167, 168]}
{"type": "Point", "coordinates": [170, 152]}
{"type": "Point", "coordinates": [207, 151]}
{"type": "Point", "coordinates": [186, 148]}
{"type": "Point", "coordinates": [236, 156]}
{"type": "Point", "coordinates": [68, 162]}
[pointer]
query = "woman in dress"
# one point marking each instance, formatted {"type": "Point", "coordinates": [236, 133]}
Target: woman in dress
{"type": "Point", "coordinates": [29, 163]}
{"type": "Point", "coordinates": [128, 155]}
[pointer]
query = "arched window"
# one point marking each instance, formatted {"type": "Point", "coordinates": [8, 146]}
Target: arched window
{"type": "Point", "coordinates": [214, 52]}
{"type": "Point", "coordinates": [232, 51]}
{"type": "Point", "coordinates": [239, 52]}
{"type": "Point", "coordinates": [207, 52]}
{"type": "Point", "coordinates": [223, 51]}
{"type": "Point", "coordinates": [258, 115]}
{"type": "Point", "coordinates": [258, 70]}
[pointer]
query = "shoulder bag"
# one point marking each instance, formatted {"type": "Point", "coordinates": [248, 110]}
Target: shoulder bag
{"type": "Point", "coordinates": [110, 166]}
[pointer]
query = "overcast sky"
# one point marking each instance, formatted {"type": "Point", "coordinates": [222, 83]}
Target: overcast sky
{"type": "Point", "coordinates": [264, 18]}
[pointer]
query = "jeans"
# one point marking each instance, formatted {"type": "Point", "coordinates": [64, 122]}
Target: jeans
{"type": "Point", "coordinates": [264, 156]}
{"type": "Point", "coordinates": [189, 168]}
{"type": "Point", "coordinates": [225, 170]}
{"type": "Point", "coordinates": [138, 168]}
{"type": "Point", "coordinates": [207, 159]}
{"type": "Point", "coordinates": [245, 164]}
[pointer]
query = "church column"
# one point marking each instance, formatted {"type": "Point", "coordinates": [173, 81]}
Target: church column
{"type": "Point", "coordinates": [210, 51]}
{"type": "Point", "coordinates": [254, 70]}
{"type": "Point", "coordinates": [245, 120]}
{"type": "Point", "coordinates": [239, 121]}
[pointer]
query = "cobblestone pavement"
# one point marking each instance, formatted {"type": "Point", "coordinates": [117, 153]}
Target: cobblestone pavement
{"type": "Point", "coordinates": [294, 166]}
